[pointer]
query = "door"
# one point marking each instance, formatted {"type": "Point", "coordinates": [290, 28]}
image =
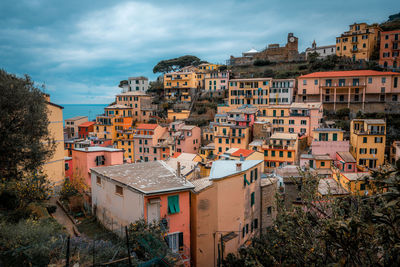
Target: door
{"type": "Point", "coordinates": [153, 212]}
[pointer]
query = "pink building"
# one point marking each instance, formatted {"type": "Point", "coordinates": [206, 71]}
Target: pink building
{"type": "Point", "coordinates": [68, 167]}
{"type": "Point", "coordinates": [390, 49]}
{"type": "Point", "coordinates": [354, 89]}
{"type": "Point", "coordinates": [83, 159]}
{"type": "Point", "coordinates": [345, 162]}
{"type": "Point", "coordinates": [152, 190]}
{"type": "Point", "coordinates": [242, 116]}
{"type": "Point", "coordinates": [329, 141]}
{"type": "Point", "coordinates": [146, 138]}
{"type": "Point", "coordinates": [187, 138]}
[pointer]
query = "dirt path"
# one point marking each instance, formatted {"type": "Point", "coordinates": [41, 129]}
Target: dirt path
{"type": "Point", "coordinates": [62, 218]}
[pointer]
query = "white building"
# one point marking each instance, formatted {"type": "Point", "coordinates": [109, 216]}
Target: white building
{"type": "Point", "coordinates": [281, 91]}
{"type": "Point", "coordinates": [136, 84]}
{"type": "Point", "coordinates": [323, 51]}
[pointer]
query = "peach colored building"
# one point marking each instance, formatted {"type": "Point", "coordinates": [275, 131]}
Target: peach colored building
{"type": "Point", "coordinates": [225, 209]}
{"type": "Point", "coordinates": [329, 141]}
{"type": "Point", "coordinates": [123, 194]}
{"type": "Point", "coordinates": [281, 149]}
{"type": "Point", "coordinates": [142, 109]}
{"type": "Point", "coordinates": [146, 138]}
{"type": "Point", "coordinates": [390, 49]}
{"type": "Point", "coordinates": [345, 162]}
{"type": "Point", "coordinates": [71, 125]}
{"type": "Point", "coordinates": [187, 138]}
{"type": "Point", "coordinates": [354, 89]}
{"type": "Point", "coordinates": [394, 154]}
{"type": "Point", "coordinates": [83, 159]}
{"type": "Point", "coordinates": [216, 81]}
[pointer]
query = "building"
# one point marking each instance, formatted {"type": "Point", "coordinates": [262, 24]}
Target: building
{"type": "Point", "coordinates": [68, 167]}
{"type": "Point", "coordinates": [54, 167]}
{"type": "Point", "coordinates": [394, 152]}
{"type": "Point", "coordinates": [188, 164]}
{"type": "Point", "coordinates": [345, 162]}
{"type": "Point", "coordinates": [281, 149]}
{"type": "Point", "coordinates": [300, 118]}
{"type": "Point", "coordinates": [329, 141]}
{"type": "Point", "coordinates": [207, 67]}
{"type": "Point", "coordinates": [71, 125]}
{"type": "Point", "coordinates": [241, 154]}
{"type": "Point", "coordinates": [83, 159]}
{"type": "Point", "coordinates": [273, 53]}
{"type": "Point", "coordinates": [225, 209]}
{"type": "Point", "coordinates": [322, 51]}
{"type": "Point", "coordinates": [140, 84]}
{"type": "Point", "coordinates": [228, 136]}
{"type": "Point", "coordinates": [367, 90]}
{"type": "Point", "coordinates": [359, 42]}
{"type": "Point", "coordinates": [85, 128]}
{"type": "Point", "coordinates": [282, 91]}
{"type": "Point", "coordinates": [320, 163]}
{"type": "Point", "coordinates": [389, 50]}
{"type": "Point", "coordinates": [145, 142]}
{"type": "Point", "coordinates": [180, 86]}
{"type": "Point", "coordinates": [288, 177]}
{"type": "Point", "coordinates": [254, 91]}
{"type": "Point", "coordinates": [187, 138]}
{"type": "Point", "coordinates": [216, 81]}
{"type": "Point", "coordinates": [355, 182]}
{"type": "Point", "coordinates": [123, 194]}
{"type": "Point", "coordinates": [269, 210]}
{"type": "Point", "coordinates": [177, 114]}
{"type": "Point", "coordinates": [329, 187]}
{"type": "Point", "coordinates": [140, 104]}
{"type": "Point", "coordinates": [367, 142]}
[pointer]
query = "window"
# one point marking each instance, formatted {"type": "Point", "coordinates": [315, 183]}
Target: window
{"type": "Point", "coordinates": [378, 139]}
{"type": "Point", "coordinates": [245, 181]}
{"type": "Point", "coordinates": [289, 154]}
{"type": "Point", "coordinates": [363, 151]}
{"type": "Point", "coordinates": [98, 180]}
{"type": "Point", "coordinates": [334, 137]}
{"type": "Point", "coordinates": [291, 122]}
{"type": "Point", "coordinates": [255, 223]}
{"type": "Point", "coordinates": [269, 210]}
{"type": "Point", "coordinates": [373, 151]}
{"type": "Point", "coordinates": [304, 82]}
{"type": "Point", "coordinates": [303, 122]}
{"type": "Point", "coordinates": [281, 154]}
{"type": "Point", "coordinates": [365, 139]}
{"type": "Point", "coordinates": [119, 190]}
{"type": "Point", "coordinates": [175, 241]}
{"type": "Point", "coordinates": [66, 166]}
{"type": "Point", "coordinates": [272, 153]}
{"type": "Point", "coordinates": [362, 186]}
{"type": "Point", "coordinates": [266, 153]}
{"type": "Point", "coordinates": [316, 82]}
{"type": "Point", "coordinates": [383, 79]}
{"type": "Point", "coordinates": [252, 199]}
{"type": "Point", "coordinates": [173, 204]}
{"type": "Point", "coordinates": [100, 160]}
{"type": "Point", "coordinates": [322, 163]}
{"type": "Point", "coordinates": [369, 79]}
{"type": "Point", "coordinates": [255, 174]}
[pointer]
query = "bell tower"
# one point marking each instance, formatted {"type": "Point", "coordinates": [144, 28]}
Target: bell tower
{"type": "Point", "coordinates": [292, 47]}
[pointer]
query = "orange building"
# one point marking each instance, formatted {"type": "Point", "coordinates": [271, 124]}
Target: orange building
{"type": "Point", "coordinates": [389, 50]}
{"type": "Point", "coordinates": [281, 148]}
{"type": "Point", "coordinates": [85, 128]}
{"type": "Point", "coordinates": [180, 86]}
{"type": "Point", "coordinates": [359, 42]}
{"type": "Point", "coordinates": [225, 210]}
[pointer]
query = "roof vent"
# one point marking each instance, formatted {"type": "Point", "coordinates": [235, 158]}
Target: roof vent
{"type": "Point", "coordinates": [178, 169]}
{"type": "Point", "coordinates": [241, 157]}
{"type": "Point", "coordinates": [238, 166]}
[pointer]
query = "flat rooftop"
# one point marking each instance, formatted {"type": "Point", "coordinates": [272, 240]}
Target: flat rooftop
{"type": "Point", "coordinates": [98, 149]}
{"type": "Point", "coordinates": [224, 168]}
{"type": "Point", "coordinates": [76, 118]}
{"type": "Point", "coordinates": [147, 177]}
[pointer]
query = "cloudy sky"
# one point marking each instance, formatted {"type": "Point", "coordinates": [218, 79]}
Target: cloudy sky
{"type": "Point", "coordinates": [81, 49]}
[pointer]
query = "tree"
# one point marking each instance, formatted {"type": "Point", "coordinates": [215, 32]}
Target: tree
{"type": "Point", "coordinates": [346, 231]}
{"type": "Point", "coordinates": [25, 143]}
{"type": "Point", "coordinates": [175, 64]}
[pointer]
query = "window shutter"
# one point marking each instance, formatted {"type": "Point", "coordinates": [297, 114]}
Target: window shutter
{"type": "Point", "coordinates": [255, 174]}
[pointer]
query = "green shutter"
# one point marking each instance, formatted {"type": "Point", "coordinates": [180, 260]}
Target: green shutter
{"type": "Point", "coordinates": [289, 154]}
{"type": "Point", "coordinates": [334, 137]}
{"type": "Point", "coordinates": [266, 153]}
{"type": "Point", "coordinates": [252, 199]}
{"type": "Point", "coordinates": [173, 204]}
{"type": "Point", "coordinates": [320, 136]}
{"type": "Point", "coordinates": [245, 180]}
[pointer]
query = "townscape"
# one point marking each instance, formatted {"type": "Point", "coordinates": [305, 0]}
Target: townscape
{"type": "Point", "coordinates": [210, 153]}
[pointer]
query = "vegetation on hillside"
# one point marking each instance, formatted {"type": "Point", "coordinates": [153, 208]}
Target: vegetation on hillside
{"type": "Point", "coordinates": [349, 231]}
{"type": "Point", "coordinates": [175, 64]}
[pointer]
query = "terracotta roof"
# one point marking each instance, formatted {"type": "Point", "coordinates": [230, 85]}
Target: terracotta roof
{"type": "Point", "coordinates": [146, 126]}
{"type": "Point", "coordinates": [347, 73]}
{"type": "Point", "coordinates": [244, 152]}
{"type": "Point", "coordinates": [87, 124]}
{"type": "Point", "coordinates": [346, 156]}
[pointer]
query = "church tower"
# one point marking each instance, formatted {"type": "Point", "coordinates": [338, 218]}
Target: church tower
{"type": "Point", "coordinates": [292, 47]}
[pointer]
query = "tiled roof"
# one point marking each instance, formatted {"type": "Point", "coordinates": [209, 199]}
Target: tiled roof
{"type": "Point", "coordinates": [87, 124]}
{"type": "Point", "coordinates": [147, 177]}
{"type": "Point", "coordinates": [328, 186]}
{"type": "Point", "coordinates": [244, 152]}
{"type": "Point", "coordinates": [347, 73]}
{"type": "Point", "coordinates": [346, 156]}
{"type": "Point", "coordinates": [201, 184]}
{"type": "Point", "coordinates": [146, 126]}
{"type": "Point", "coordinates": [355, 176]}
{"type": "Point", "coordinates": [224, 168]}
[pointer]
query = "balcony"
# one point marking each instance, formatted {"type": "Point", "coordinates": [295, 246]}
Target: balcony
{"type": "Point", "coordinates": [248, 95]}
{"type": "Point", "coordinates": [369, 132]}
{"type": "Point", "coordinates": [354, 50]}
{"type": "Point", "coordinates": [350, 84]}
{"type": "Point", "coordinates": [295, 114]}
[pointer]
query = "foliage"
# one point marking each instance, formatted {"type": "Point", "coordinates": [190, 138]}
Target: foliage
{"type": "Point", "coordinates": [74, 186]}
{"type": "Point", "coordinates": [392, 24]}
{"type": "Point", "coordinates": [29, 242]}
{"type": "Point", "coordinates": [147, 239]}
{"type": "Point", "coordinates": [175, 64]}
{"type": "Point", "coordinates": [347, 231]}
{"type": "Point", "coordinates": [261, 62]}
{"type": "Point", "coordinates": [222, 68]}
{"type": "Point", "coordinates": [25, 143]}
{"type": "Point", "coordinates": [122, 83]}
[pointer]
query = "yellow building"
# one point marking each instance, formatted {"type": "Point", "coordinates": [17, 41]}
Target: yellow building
{"type": "Point", "coordinates": [359, 42]}
{"type": "Point", "coordinates": [176, 115]}
{"type": "Point", "coordinates": [367, 142]}
{"type": "Point", "coordinates": [354, 182]}
{"type": "Point", "coordinates": [54, 168]}
{"type": "Point", "coordinates": [142, 109]}
{"type": "Point", "coordinates": [228, 136]}
{"type": "Point", "coordinates": [281, 148]}
{"type": "Point", "coordinates": [125, 142]}
{"type": "Point", "coordinates": [180, 86]}
{"type": "Point", "coordinates": [253, 91]}
{"type": "Point", "coordinates": [206, 67]}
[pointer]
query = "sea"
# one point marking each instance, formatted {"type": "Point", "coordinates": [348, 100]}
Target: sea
{"type": "Point", "coordinates": [90, 110]}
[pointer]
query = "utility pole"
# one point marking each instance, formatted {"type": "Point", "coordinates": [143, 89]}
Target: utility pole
{"type": "Point", "coordinates": [67, 260]}
{"type": "Point", "coordinates": [127, 246]}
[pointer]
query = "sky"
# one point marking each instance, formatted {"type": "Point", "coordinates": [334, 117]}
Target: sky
{"type": "Point", "coordinates": [80, 50]}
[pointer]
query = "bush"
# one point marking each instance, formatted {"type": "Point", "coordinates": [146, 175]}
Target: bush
{"type": "Point", "coordinates": [51, 209]}
{"type": "Point", "coordinates": [261, 62]}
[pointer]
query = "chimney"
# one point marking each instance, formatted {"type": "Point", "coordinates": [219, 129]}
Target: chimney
{"type": "Point", "coordinates": [178, 169]}
{"type": "Point", "coordinates": [241, 157]}
{"type": "Point", "coordinates": [86, 149]}
{"type": "Point", "coordinates": [238, 166]}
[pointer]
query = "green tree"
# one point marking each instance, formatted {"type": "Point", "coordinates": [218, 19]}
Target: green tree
{"type": "Point", "coordinates": [25, 143]}
{"type": "Point", "coordinates": [175, 64]}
